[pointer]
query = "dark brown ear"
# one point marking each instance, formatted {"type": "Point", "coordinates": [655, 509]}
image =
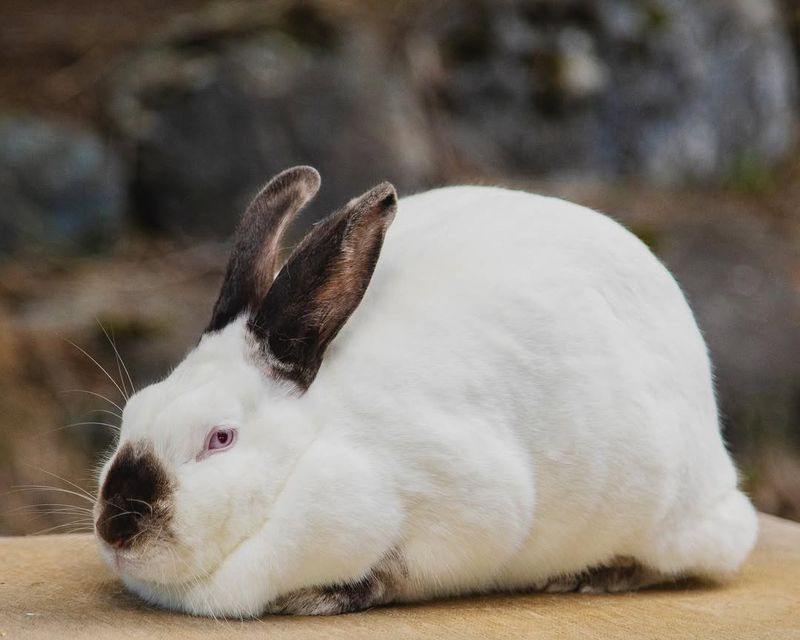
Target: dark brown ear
{"type": "Point", "coordinates": [321, 285]}
{"type": "Point", "coordinates": [253, 262]}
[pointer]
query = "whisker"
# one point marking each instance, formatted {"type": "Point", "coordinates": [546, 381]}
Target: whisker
{"type": "Point", "coordinates": [116, 356]}
{"type": "Point", "coordinates": [97, 395]}
{"type": "Point", "coordinates": [111, 413]}
{"type": "Point", "coordinates": [120, 360]}
{"type": "Point", "coordinates": [75, 514]}
{"type": "Point", "coordinates": [119, 515]}
{"type": "Point", "coordinates": [35, 487]}
{"type": "Point", "coordinates": [53, 504]}
{"type": "Point", "coordinates": [113, 427]}
{"type": "Point", "coordinates": [130, 542]}
{"type": "Point", "coordinates": [42, 507]}
{"type": "Point", "coordinates": [148, 530]}
{"type": "Point", "coordinates": [107, 503]}
{"type": "Point", "coordinates": [63, 512]}
{"type": "Point", "coordinates": [117, 507]}
{"type": "Point", "coordinates": [144, 502]}
{"type": "Point", "coordinates": [101, 367]}
{"type": "Point", "coordinates": [78, 527]}
{"type": "Point", "coordinates": [69, 482]}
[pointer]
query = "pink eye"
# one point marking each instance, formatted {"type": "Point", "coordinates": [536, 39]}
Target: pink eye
{"type": "Point", "coordinates": [220, 438]}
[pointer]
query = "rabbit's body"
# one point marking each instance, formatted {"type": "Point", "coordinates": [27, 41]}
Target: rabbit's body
{"type": "Point", "coordinates": [539, 393]}
{"type": "Point", "coordinates": [521, 396]}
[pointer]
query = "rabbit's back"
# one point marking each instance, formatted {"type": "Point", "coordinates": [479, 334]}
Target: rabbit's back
{"type": "Point", "coordinates": [524, 336]}
{"type": "Point", "coordinates": [498, 292]}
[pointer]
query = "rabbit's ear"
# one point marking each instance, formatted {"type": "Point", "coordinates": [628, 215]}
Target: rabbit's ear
{"type": "Point", "coordinates": [253, 261]}
{"type": "Point", "coordinates": [321, 285]}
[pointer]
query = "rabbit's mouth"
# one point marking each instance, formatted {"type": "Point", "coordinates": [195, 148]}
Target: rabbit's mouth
{"type": "Point", "coordinates": [124, 561]}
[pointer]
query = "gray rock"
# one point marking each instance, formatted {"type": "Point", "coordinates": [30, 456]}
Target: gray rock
{"type": "Point", "coordinates": [666, 90]}
{"type": "Point", "coordinates": [213, 111]}
{"type": "Point", "coordinates": [60, 187]}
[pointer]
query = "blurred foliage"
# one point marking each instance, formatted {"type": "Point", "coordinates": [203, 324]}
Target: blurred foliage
{"type": "Point", "coordinates": [751, 175]}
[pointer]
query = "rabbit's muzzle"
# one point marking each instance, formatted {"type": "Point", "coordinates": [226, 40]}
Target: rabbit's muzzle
{"type": "Point", "coordinates": [134, 499]}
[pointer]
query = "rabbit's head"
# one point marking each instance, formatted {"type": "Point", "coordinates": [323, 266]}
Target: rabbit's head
{"type": "Point", "coordinates": [204, 453]}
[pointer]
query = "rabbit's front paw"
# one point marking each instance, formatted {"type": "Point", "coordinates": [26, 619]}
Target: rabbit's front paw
{"type": "Point", "coordinates": [378, 587]}
{"type": "Point", "coordinates": [325, 601]}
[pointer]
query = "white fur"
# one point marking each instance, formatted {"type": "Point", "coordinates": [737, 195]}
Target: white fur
{"type": "Point", "coordinates": [522, 393]}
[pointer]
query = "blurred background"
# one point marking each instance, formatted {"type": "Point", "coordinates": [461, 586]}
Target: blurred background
{"type": "Point", "coordinates": [133, 133]}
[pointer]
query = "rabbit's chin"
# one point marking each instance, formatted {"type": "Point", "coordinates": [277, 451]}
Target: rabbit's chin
{"type": "Point", "coordinates": [155, 563]}
{"type": "Point", "coordinates": [200, 596]}
{"type": "Point", "coordinates": [166, 596]}
{"type": "Point", "coordinates": [169, 576]}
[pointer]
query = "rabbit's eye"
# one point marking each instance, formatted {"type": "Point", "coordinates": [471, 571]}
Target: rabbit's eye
{"type": "Point", "coordinates": [220, 439]}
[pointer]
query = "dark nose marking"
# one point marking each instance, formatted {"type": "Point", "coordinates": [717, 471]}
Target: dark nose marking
{"type": "Point", "coordinates": [133, 496]}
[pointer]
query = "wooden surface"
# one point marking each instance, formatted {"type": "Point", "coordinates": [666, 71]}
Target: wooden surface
{"type": "Point", "coordinates": [57, 587]}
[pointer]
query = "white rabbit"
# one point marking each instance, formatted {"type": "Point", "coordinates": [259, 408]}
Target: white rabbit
{"type": "Point", "coordinates": [521, 400]}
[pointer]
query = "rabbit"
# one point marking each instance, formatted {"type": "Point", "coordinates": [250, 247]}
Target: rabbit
{"type": "Point", "coordinates": [469, 390]}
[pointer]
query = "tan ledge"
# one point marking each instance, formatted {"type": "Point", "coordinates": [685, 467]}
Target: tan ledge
{"type": "Point", "coordinates": [57, 587]}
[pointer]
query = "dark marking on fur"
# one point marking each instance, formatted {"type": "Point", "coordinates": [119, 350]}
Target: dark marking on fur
{"type": "Point", "coordinates": [380, 586]}
{"type": "Point", "coordinates": [254, 259]}
{"type": "Point", "coordinates": [321, 285]}
{"type": "Point", "coordinates": [621, 574]}
{"type": "Point", "coordinates": [135, 497]}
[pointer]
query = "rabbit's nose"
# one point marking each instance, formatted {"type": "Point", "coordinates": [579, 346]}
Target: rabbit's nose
{"type": "Point", "coordinates": [136, 481]}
